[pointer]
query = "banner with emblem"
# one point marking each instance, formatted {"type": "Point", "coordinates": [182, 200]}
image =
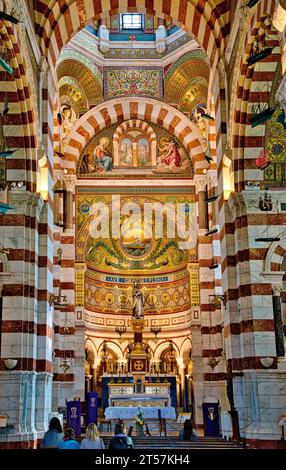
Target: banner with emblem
{"type": "Point", "coordinates": [73, 415]}
{"type": "Point", "coordinates": [91, 409]}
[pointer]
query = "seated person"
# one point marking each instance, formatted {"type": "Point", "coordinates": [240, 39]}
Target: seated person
{"type": "Point", "coordinates": [54, 435]}
{"type": "Point", "coordinates": [188, 433]}
{"type": "Point", "coordinates": [92, 439]}
{"type": "Point", "coordinates": [120, 439]}
{"type": "Point", "coordinates": [69, 441]}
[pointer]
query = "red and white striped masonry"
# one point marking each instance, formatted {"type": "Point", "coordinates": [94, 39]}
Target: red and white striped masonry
{"type": "Point", "coordinates": [248, 142]}
{"type": "Point", "coordinates": [55, 24]}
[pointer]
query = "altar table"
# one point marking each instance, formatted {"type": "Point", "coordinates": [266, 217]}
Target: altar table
{"type": "Point", "coordinates": [129, 412]}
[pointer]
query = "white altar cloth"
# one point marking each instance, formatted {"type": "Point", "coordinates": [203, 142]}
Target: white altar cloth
{"type": "Point", "coordinates": [128, 412]}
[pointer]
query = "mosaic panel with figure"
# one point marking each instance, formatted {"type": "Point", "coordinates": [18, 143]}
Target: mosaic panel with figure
{"type": "Point", "coordinates": [159, 297]}
{"type": "Point", "coordinates": [137, 248]}
{"type": "Point", "coordinates": [103, 158]}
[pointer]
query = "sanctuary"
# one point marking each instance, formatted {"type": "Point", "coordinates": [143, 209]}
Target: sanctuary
{"type": "Point", "coordinates": [143, 219]}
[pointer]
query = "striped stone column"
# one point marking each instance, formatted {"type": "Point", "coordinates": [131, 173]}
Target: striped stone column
{"type": "Point", "coordinates": [278, 322]}
{"type": "Point", "coordinates": [24, 328]}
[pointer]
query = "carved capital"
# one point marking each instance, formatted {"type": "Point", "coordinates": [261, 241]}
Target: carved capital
{"type": "Point", "coordinates": [200, 182]}
{"type": "Point", "coordinates": [212, 179]}
{"type": "Point", "coordinates": [26, 203]}
{"type": "Point", "coordinates": [70, 182]}
{"type": "Point", "coordinates": [277, 290]}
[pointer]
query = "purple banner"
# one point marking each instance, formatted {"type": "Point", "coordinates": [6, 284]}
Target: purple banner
{"type": "Point", "coordinates": [73, 416]}
{"type": "Point", "coordinates": [91, 409]}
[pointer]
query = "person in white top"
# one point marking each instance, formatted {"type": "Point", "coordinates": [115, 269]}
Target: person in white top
{"type": "Point", "coordinates": [92, 439]}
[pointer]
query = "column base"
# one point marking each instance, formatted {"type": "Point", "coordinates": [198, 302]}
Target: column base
{"type": "Point", "coordinates": [263, 444]}
{"type": "Point", "coordinates": [262, 431]}
{"type": "Point", "coordinates": [18, 441]}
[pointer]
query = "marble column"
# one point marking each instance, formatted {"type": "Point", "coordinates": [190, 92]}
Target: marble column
{"type": "Point", "coordinates": [161, 36]}
{"type": "Point", "coordinates": [79, 358]}
{"type": "Point", "coordinates": [68, 201]}
{"type": "Point", "coordinates": [278, 323]}
{"type": "Point", "coordinates": [182, 370]}
{"type": "Point", "coordinates": [43, 402]}
{"type": "Point", "coordinates": [203, 216]}
{"type": "Point", "coordinates": [103, 34]}
{"type": "Point", "coordinates": [94, 378]}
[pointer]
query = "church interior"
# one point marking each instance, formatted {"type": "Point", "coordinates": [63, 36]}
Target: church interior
{"type": "Point", "coordinates": [143, 215]}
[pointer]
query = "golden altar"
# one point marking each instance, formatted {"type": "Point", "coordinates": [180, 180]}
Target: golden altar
{"type": "Point", "coordinates": [150, 395]}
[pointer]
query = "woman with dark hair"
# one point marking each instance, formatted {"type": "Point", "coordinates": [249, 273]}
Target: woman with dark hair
{"type": "Point", "coordinates": [120, 439]}
{"type": "Point", "coordinates": [54, 435]}
{"type": "Point", "coordinates": [188, 434]}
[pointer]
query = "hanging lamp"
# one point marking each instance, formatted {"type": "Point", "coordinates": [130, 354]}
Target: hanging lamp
{"type": "Point", "coordinates": [252, 3]}
{"type": "Point", "coordinates": [262, 117]}
{"type": "Point", "coordinates": [11, 18]}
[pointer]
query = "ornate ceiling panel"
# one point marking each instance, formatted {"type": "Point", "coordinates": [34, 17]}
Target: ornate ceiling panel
{"type": "Point", "coordinates": [84, 72]}
{"type": "Point", "coordinates": [72, 92]}
{"type": "Point", "coordinates": [186, 83]}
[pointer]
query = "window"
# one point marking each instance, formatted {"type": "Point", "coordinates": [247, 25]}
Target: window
{"type": "Point", "coordinates": [131, 21]}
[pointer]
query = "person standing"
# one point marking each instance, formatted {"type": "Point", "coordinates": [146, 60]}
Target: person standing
{"type": "Point", "coordinates": [54, 435]}
{"type": "Point", "coordinates": [92, 439]}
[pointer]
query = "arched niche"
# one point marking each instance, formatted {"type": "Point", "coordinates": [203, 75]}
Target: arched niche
{"type": "Point", "coordinates": [138, 134]}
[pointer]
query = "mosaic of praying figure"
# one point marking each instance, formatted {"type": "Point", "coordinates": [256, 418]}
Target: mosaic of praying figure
{"type": "Point", "coordinates": [102, 159]}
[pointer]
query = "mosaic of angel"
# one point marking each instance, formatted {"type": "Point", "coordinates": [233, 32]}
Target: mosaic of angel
{"type": "Point", "coordinates": [171, 157]}
{"type": "Point", "coordinates": [199, 121]}
{"type": "Point", "coordinates": [69, 118]}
